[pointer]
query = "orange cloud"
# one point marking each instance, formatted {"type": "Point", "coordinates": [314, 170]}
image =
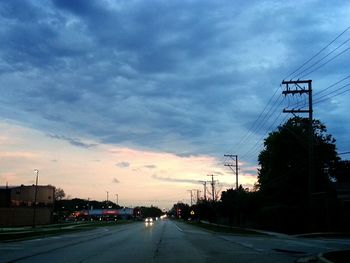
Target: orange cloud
{"type": "Point", "coordinates": [139, 177]}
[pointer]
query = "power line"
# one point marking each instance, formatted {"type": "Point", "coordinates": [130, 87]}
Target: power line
{"type": "Point", "coordinates": [319, 52]}
{"type": "Point", "coordinates": [324, 57]}
{"type": "Point", "coordinates": [318, 98]}
{"type": "Point", "coordinates": [267, 116]}
{"type": "Point", "coordinates": [269, 108]}
{"type": "Point", "coordinates": [255, 149]}
{"type": "Point", "coordinates": [326, 97]}
{"type": "Point", "coordinates": [252, 149]}
{"type": "Point", "coordinates": [334, 84]}
{"type": "Point", "coordinates": [325, 63]}
{"type": "Point", "coordinates": [257, 123]}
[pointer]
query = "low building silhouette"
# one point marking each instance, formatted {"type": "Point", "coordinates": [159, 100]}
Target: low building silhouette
{"type": "Point", "coordinates": [18, 206]}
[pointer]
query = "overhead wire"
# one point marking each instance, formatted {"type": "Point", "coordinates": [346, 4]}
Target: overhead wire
{"type": "Point", "coordinates": [326, 96]}
{"type": "Point", "coordinates": [264, 116]}
{"type": "Point", "coordinates": [325, 63]}
{"type": "Point", "coordinates": [253, 148]}
{"type": "Point", "coordinates": [317, 53]}
{"type": "Point", "coordinates": [324, 57]}
{"type": "Point", "coordinates": [334, 84]}
{"type": "Point", "coordinates": [260, 119]}
{"type": "Point", "coordinates": [257, 146]}
{"type": "Point", "coordinates": [300, 70]}
{"type": "Point", "coordinates": [317, 98]}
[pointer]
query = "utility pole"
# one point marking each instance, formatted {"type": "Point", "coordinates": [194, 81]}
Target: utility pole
{"type": "Point", "coordinates": [232, 165]}
{"type": "Point", "coordinates": [212, 186]}
{"type": "Point", "coordinates": [198, 191]}
{"type": "Point", "coordinates": [117, 198]}
{"type": "Point", "coordinates": [191, 196]}
{"type": "Point", "coordinates": [304, 87]}
{"type": "Point", "coordinates": [205, 189]}
{"type": "Point", "coordinates": [35, 196]}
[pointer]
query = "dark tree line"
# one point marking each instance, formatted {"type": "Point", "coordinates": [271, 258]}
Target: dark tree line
{"type": "Point", "coordinates": [286, 198]}
{"type": "Point", "coordinates": [152, 211]}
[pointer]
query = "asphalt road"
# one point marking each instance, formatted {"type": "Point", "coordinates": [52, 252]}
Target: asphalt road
{"type": "Point", "coordinates": [164, 241]}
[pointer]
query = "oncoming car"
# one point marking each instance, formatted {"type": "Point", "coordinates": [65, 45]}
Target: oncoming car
{"type": "Point", "coordinates": [149, 220]}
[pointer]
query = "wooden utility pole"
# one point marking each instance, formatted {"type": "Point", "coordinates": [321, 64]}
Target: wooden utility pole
{"type": "Point", "coordinates": [191, 196]}
{"type": "Point", "coordinates": [198, 191]}
{"type": "Point", "coordinates": [35, 197]}
{"type": "Point", "coordinates": [212, 186]}
{"type": "Point", "coordinates": [205, 189]}
{"type": "Point", "coordinates": [233, 166]}
{"type": "Point", "coordinates": [304, 87]}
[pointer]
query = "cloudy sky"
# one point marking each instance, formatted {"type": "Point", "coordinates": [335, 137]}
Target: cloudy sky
{"type": "Point", "coordinates": [143, 98]}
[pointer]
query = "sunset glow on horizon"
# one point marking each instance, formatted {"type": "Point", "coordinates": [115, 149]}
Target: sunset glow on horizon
{"type": "Point", "coordinates": [139, 177]}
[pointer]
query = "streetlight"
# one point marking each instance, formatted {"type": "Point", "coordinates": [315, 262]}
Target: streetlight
{"type": "Point", "coordinates": [117, 198]}
{"type": "Point", "coordinates": [35, 196]}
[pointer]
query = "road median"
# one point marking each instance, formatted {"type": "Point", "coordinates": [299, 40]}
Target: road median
{"type": "Point", "coordinates": [16, 234]}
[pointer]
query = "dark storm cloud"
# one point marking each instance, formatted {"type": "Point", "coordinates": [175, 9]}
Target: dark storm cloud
{"type": "Point", "coordinates": [123, 164]}
{"type": "Point", "coordinates": [73, 141]}
{"type": "Point", "coordinates": [188, 77]}
{"type": "Point", "coordinates": [116, 181]}
{"type": "Point", "coordinates": [174, 180]}
{"type": "Point", "coordinates": [177, 180]}
{"type": "Point", "coordinates": [151, 166]}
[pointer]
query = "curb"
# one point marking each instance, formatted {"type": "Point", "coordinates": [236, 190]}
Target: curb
{"type": "Point", "coordinates": [322, 259]}
{"type": "Point", "coordinates": [266, 232]}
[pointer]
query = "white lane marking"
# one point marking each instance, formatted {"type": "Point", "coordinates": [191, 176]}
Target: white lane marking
{"type": "Point", "coordinates": [32, 240]}
{"type": "Point", "coordinates": [10, 247]}
{"type": "Point", "coordinates": [178, 228]}
{"type": "Point", "coordinates": [244, 244]}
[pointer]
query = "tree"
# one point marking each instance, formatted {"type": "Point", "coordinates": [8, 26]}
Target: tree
{"type": "Point", "coordinates": [59, 194]}
{"type": "Point", "coordinates": [239, 205]}
{"type": "Point", "coordinates": [283, 177]}
{"type": "Point", "coordinates": [181, 210]}
{"type": "Point", "coordinates": [217, 192]}
{"type": "Point", "coordinates": [342, 173]}
{"type": "Point", "coordinates": [152, 211]}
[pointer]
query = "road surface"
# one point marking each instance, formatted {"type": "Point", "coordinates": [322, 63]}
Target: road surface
{"type": "Point", "coordinates": [163, 241]}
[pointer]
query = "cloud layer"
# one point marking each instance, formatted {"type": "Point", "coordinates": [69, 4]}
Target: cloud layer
{"type": "Point", "coordinates": [185, 77]}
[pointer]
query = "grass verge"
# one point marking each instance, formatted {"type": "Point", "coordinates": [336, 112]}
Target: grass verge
{"type": "Point", "coordinates": [338, 256]}
{"type": "Point", "coordinates": [325, 235]}
{"type": "Point", "coordinates": [226, 229]}
{"type": "Point", "coordinates": [45, 231]}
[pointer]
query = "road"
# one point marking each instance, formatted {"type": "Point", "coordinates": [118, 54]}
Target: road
{"type": "Point", "coordinates": [164, 241]}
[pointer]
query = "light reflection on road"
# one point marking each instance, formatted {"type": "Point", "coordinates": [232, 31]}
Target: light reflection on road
{"type": "Point", "coordinates": [148, 224]}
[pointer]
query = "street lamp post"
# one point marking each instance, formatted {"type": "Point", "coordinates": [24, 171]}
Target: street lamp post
{"type": "Point", "coordinates": [35, 196]}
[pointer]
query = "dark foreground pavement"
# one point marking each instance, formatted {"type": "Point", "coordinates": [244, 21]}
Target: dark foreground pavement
{"type": "Point", "coordinates": [164, 241]}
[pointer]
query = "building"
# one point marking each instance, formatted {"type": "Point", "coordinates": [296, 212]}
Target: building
{"type": "Point", "coordinates": [17, 205]}
{"type": "Point", "coordinates": [104, 214]}
{"type": "Point", "coordinates": [25, 195]}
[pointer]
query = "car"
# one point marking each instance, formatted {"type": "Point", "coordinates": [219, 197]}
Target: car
{"type": "Point", "coordinates": [149, 220]}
